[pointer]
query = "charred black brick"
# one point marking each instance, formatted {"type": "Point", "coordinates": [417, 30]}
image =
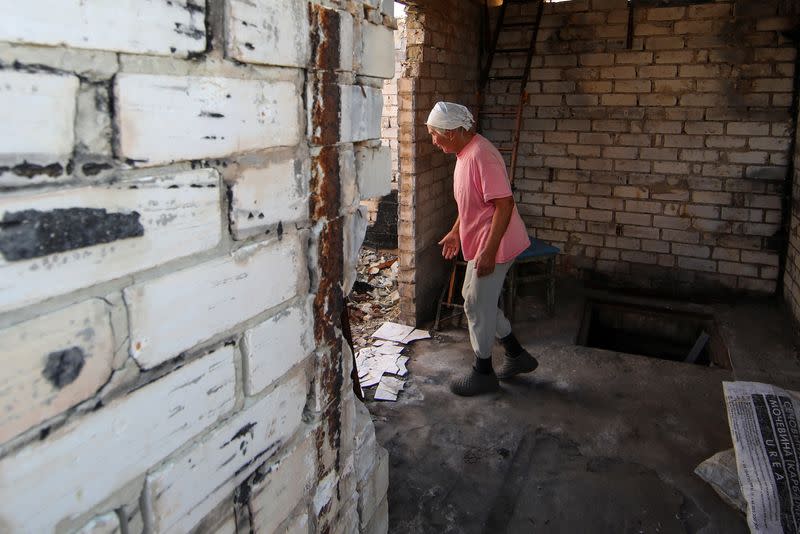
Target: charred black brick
{"type": "Point", "coordinates": [32, 233]}
{"type": "Point", "coordinates": [64, 366]}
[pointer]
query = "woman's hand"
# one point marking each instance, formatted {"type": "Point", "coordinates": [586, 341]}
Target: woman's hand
{"type": "Point", "coordinates": [451, 245]}
{"type": "Point", "coordinates": [484, 262]}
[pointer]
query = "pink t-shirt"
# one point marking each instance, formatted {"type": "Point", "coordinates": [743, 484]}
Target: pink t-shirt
{"type": "Point", "coordinates": [480, 177]}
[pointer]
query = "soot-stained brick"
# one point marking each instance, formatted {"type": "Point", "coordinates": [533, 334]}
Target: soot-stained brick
{"type": "Point", "coordinates": [325, 108]}
{"type": "Point", "coordinates": [32, 233]}
{"type": "Point", "coordinates": [64, 366]}
{"type": "Point", "coordinates": [325, 184]}
{"type": "Point", "coordinates": [328, 303]}
{"type": "Point", "coordinates": [93, 169]}
{"type": "Point", "coordinates": [329, 299]}
{"type": "Point", "coordinates": [325, 43]}
{"type": "Point", "coordinates": [31, 170]}
{"type": "Point", "coordinates": [192, 8]}
{"type": "Point", "coordinates": [324, 205]}
{"type": "Point", "coordinates": [193, 33]}
{"type": "Point", "coordinates": [242, 432]}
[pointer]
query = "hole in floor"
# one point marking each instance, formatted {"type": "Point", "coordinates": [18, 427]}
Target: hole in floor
{"type": "Point", "coordinates": [654, 331]}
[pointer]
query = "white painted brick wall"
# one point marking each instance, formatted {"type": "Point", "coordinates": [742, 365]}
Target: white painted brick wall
{"type": "Point", "coordinates": [346, 490]}
{"type": "Point", "coordinates": [374, 171]}
{"type": "Point", "coordinates": [361, 113]}
{"type": "Point", "coordinates": [299, 525]}
{"type": "Point", "coordinates": [348, 179]}
{"type": "Point", "coordinates": [177, 220]}
{"type": "Point", "coordinates": [172, 313]}
{"type": "Point", "coordinates": [346, 40]}
{"type": "Point", "coordinates": [170, 118]}
{"type": "Point", "coordinates": [183, 491]}
{"type": "Point", "coordinates": [283, 487]}
{"type": "Point", "coordinates": [265, 196]}
{"type": "Point", "coordinates": [377, 51]}
{"type": "Point", "coordinates": [366, 447]}
{"type": "Point", "coordinates": [355, 228]}
{"type": "Point", "coordinates": [348, 416]}
{"type": "Point", "coordinates": [325, 492]}
{"type": "Point", "coordinates": [373, 490]}
{"type": "Point", "coordinates": [269, 32]}
{"type": "Point", "coordinates": [348, 521]}
{"type": "Point", "coordinates": [273, 347]}
{"type": "Point", "coordinates": [104, 524]}
{"type": "Point", "coordinates": [39, 378]}
{"type": "Point", "coordinates": [174, 449]}
{"type": "Point", "coordinates": [165, 27]}
{"type": "Point", "coordinates": [228, 527]}
{"type": "Point", "coordinates": [83, 463]}
{"type": "Point", "coordinates": [92, 125]}
{"type": "Point", "coordinates": [379, 524]}
{"type": "Point", "coordinates": [41, 108]}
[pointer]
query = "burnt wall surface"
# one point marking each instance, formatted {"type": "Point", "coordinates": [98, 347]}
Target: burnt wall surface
{"type": "Point", "coordinates": [383, 211]}
{"type": "Point", "coordinates": [179, 216]}
{"type": "Point", "coordinates": [441, 64]}
{"type": "Point", "coordinates": [791, 275]}
{"type": "Point", "coordinates": [660, 166]}
{"type": "Point", "coordinates": [382, 233]}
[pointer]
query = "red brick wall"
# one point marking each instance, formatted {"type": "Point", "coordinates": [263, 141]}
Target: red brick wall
{"type": "Point", "coordinates": [441, 64]}
{"type": "Point", "coordinates": [661, 166]}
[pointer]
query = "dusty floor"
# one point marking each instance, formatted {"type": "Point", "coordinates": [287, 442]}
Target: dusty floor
{"type": "Point", "coordinates": [593, 441]}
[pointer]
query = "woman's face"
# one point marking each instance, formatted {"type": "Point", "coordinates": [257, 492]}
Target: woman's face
{"type": "Point", "coordinates": [443, 140]}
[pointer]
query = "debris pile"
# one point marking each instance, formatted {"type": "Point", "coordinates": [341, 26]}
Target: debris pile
{"type": "Point", "coordinates": [378, 341]}
{"type": "Point", "coordinates": [375, 298]}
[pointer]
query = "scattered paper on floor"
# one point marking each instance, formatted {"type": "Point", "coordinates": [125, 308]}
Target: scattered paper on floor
{"type": "Point", "coordinates": [392, 331]}
{"type": "Point", "coordinates": [414, 335]}
{"type": "Point", "coordinates": [401, 365]}
{"type": "Point", "coordinates": [370, 380]}
{"type": "Point", "coordinates": [389, 348]}
{"type": "Point", "coordinates": [388, 388]}
{"type": "Point", "coordinates": [384, 358]}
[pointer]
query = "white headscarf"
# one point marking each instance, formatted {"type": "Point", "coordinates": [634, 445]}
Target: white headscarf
{"type": "Point", "coordinates": [449, 116]}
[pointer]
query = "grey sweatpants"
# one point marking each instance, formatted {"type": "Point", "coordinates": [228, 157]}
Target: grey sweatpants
{"type": "Point", "coordinates": [485, 319]}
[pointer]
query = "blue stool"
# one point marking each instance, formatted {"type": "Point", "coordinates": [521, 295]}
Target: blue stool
{"type": "Point", "coordinates": [538, 252]}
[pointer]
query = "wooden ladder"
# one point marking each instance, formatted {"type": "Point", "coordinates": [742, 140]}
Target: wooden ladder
{"type": "Point", "coordinates": [486, 73]}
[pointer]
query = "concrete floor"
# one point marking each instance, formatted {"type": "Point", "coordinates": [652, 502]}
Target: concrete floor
{"type": "Point", "coordinates": [593, 441]}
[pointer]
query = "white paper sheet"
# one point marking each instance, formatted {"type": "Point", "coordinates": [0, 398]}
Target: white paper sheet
{"type": "Point", "coordinates": [415, 335]}
{"type": "Point", "coordinates": [393, 331]}
{"type": "Point", "coordinates": [401, 365]}
{"type": "Point", "coordinates": [370, 380]}
{"type": "Point", "coordinates": [388, 388]}
{"type": "Point", "coordinates": [389, 348]}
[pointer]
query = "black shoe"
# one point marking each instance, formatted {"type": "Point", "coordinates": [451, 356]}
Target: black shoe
{"type": "Point", "coordinates": [512, 366]}
{"type": "Point", "coordinates": [475, 383]}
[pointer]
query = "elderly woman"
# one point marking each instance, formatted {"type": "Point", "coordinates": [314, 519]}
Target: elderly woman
{"type": "Point", "coordinates": [490, 234]}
